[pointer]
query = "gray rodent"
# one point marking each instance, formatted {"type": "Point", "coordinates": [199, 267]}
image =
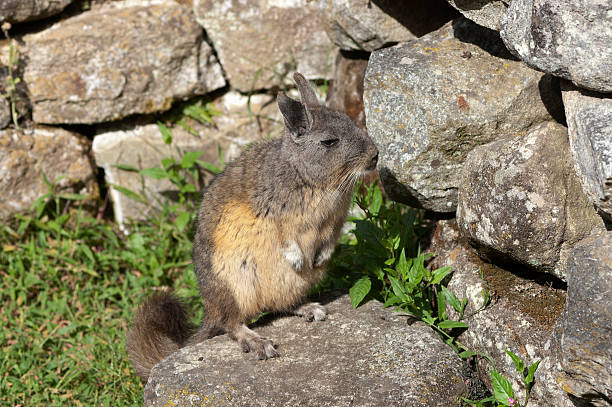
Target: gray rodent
{"type": "Point", "coordinates": [266, 229]}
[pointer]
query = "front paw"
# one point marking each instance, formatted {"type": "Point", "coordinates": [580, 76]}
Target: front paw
{"type": "Point", "coordinates": [323, 256]}
{"type": "Point", "coordinates": [312, 311]}
{"type": "Point", "coordinates": [263, 348]}
{"type": "Point", "coordinates": [293, 254]}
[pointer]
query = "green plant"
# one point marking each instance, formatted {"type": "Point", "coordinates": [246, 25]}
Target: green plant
{"type": "Point", "coordinates": [503, 394]}
{"type": "Point", "coordinates": [11, 79]}
{"type": "Point", "coordinates": [386, 263]}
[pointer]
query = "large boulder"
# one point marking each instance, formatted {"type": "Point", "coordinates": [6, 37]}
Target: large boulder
{"type": "Point", "coordinates": [122, 58]}
{"type": "Point", "coordinates": [520, 316]}
{"type": "Point", "coordinates": [142, 147]}
{"type": "Point", "coordinates": [589, 122]}
{"type": "Point", "coordinates": [364, 357]}
{"type": "Point", "coordinates": [586, 328]}
{"type": "Point", "coordinates": [428, 102]}
{"type": "Point", "coordinates": [260, 43]}
{"type": "Point", "coordinates": [567, 38]}
{"type": "Point", "coordinates": [17, 11]}
{"type": "Point", "coordinates": [521, 201]}
{"type": "Point", "coordinates": [488, 13]}
{"type": "Point", "coordinates": [366, 25]}
{"type": "Point", "coordinates": [60, 155]}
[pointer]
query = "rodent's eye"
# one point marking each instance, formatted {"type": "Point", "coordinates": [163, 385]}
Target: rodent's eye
{"type": "Point", "coordinates": [330, 142]}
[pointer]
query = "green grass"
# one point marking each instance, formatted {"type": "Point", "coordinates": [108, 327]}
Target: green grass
{"type": "Point", "coordinates": [69, 286]}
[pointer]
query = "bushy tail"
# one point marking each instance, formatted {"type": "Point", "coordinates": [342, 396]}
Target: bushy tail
{"type": "Point", "coordinates": [160, 328]}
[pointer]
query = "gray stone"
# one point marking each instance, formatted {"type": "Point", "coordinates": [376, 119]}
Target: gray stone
{"type": "Point", "coordinates": [566, 38]}
{"type": "Point", "coordinates": [589, 122]}
{"type": "Point", "coordinates": [428, 102]}
{"type": "Point", "coordinates": [260, 43]}
{"type": "Point", "coordinates": [521, 201]}
{"type": "Point", "coordinates": [5, 113]}
{"type": "Point", "coordinates": [346, 90]}
{"type": "Point", "coordinates": [586, 349]}
{"type": "Point", "coordinates": [18, 11]}
{"type": "Point", "coordinates": [142, 147]}
{"type": "Point", "coordinates": [26, 155]}
{"type": "Point", "coordinates": [122, 58]}
{"type": "Point", "coordinates": [364, 357]}
{"type": "Point", "coordinates": [366, 25]}
{"type": "Point", "coordinates": [521, 316]}
{"type": "Point", "coordinates": [488, 13]}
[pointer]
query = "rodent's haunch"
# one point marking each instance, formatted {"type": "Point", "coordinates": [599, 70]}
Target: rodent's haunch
{"type": "Point", "coordinates": [266, 229]}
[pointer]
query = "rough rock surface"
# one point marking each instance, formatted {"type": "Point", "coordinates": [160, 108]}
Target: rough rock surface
{"type": "Point", "coordinates": [346, 91]}
{"type": "Point", "coordinates": [260, 42]}
{"type": "Point", "coordinates": [589, 122]}
{"type": "Point", "coordinates": [567, 38]}
{"type": "Point", "coordinates": [366, 25]}
{"type": "Point", "coordinates": [520, 200]}
{"type": "Point", "coordinates": [5, 113]}
{"type": "Point", "coordinates": [17, 11]}
{"type": "Point", "coordinates": [428, 102]}
{"type": "Point", "coordinates": [123, 58]}
{"type": "Point", "coordinates": [520, 317]}
{"type": "Point", "coordinates": [586, 329]}
{"type": "Point", "coordinates": [24, 156]}
{"type": "Point", "coordinates": [142, 147]}
{"type": "Point", "coordinates": [364, 357]}
{"type": "Point", "coordinates": [488, 13]}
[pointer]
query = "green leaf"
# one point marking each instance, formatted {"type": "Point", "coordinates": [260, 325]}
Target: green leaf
{"type": "Point", "coordinates": [398, 289]}
{"type": "Point", "coordinates": [451, 298]}
{"type": "Point", "coordinates": [125, 167]}
{"type": "Point", "coordinates": [531, 374]}
{"type": "Point", "coordinates": [168, 162]}
{"type": "Point", "coordinates": [467, 354]}
{"type": "Point", "coordinates": [165, 133]}
{"type": "Point", "coordinates": [402, 265]}
{"type": "Point", "coordinates": [441, 307]}
{"type": "Point", "coordinates": [359, 290]}
{"type": "Point", "coordinates": [129, 193]}
{"type": "Point", "coordinates": [377, 201]}
{"type": "Point", "coordinates": [518, 363]}
{"type": "Point", "coordinates": [73, 197]}
{"type": "Point", "coordinates": [209, 167]}
{"type": "Point", "coordinates": [188, 188]}
{"type": "Point", "coordinates": [448, 324]}
{"type": "Point", "coordinates": [502, 390]}
{"type": "Point", "coordinates": [182, 220]}
{"type": "Point", "coordinates": [155, 173]}
{"type": "Point", "coordinates": [439, 274]}
{"type": "Point", "coordinates": [190, 158]}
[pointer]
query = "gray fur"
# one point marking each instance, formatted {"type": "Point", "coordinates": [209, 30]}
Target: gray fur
{"type": "Point", "coordinates": [306, 178]}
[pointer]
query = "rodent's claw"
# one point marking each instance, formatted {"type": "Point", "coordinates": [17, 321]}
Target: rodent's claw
{"type": "Point", "coordinates": [262, 347]}
{"type": "Point", "coordinates": [312, 311]}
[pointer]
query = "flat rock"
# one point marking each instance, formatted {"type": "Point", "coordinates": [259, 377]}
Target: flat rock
{"type": "Point", "coordinates": [520, 200]}
{"type": "Point", "coordinates": [26, 155]}
{"type": "Point", "coordinates": [366, 25]}
{"type": "Point", "coordinates": [521, 315]}
{"type": "Point", "coordinates": [122, 58]}
{"type": "Point", "coordinates": [488, 13]}
{"type": "Point", "coordinates": [586, 328]}
{"type": "Point", "coordinates": [566, 38]}
{"type": "Point", "coordinates": [364, 357]}
{"type": "Point", "coordinates": [430, 101]}
{"type": "Point", "coordinates": [589, 122]}
{"type": "Point", "coordinates": [18, 11]}
{"type": "Point", "coordinates": [260, 43]}
{"type": "Point", "coordinates": [141, 146]}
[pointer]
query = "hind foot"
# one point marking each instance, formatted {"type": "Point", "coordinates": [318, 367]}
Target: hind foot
{"type": "Point", "coordinates": [311, 311]}
{"type": "Point", "coordinates": [252, 342]}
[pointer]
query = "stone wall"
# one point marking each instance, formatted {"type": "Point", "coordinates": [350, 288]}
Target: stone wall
{"type": "Point", "coordinates": [494, 115]}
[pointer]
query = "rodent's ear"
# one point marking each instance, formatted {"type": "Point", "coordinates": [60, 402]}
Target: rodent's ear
{"type": "Point", "coordinates": [307, 93]}
{"type": "Point", "coordinates": [298, 119]}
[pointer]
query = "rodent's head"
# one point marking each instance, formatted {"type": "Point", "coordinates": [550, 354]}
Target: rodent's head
{"type": "Point", "coordinates": [325, 145]}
